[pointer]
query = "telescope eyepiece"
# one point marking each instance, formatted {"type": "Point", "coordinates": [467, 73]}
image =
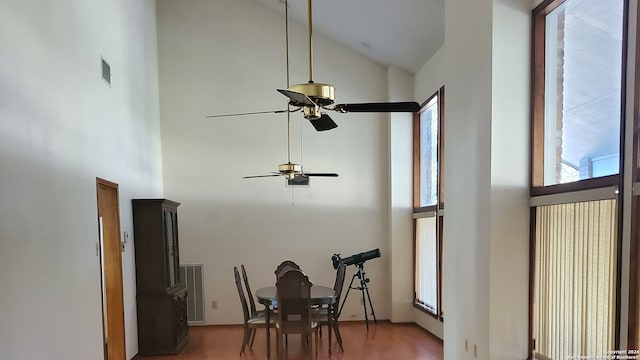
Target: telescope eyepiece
{"type": "Point", "coordinates": [335, 259]}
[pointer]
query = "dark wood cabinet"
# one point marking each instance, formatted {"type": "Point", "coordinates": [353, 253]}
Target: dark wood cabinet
{"type": "Point", "coordinates": [161, 293]}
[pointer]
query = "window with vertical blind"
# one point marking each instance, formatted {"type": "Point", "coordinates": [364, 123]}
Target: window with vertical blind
{"type": "Point", "coordinates": [575, 279]}
{"type": "Point", "coordinates": [427, 263]}
{"type": "Point", "coordinates": [578, 92]}
{"type": "Point", "coordinates": [428, 204]}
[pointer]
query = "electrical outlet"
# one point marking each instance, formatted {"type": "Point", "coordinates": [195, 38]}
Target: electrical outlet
{"type": "Point", "coordinates": [214, 305]}
{"type": "Point", "coordinates": [466, 345]}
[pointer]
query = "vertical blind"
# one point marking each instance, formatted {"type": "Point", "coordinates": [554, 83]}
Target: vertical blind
{"type": "Point", "coordinates": [427, 263]}
{"type": "Point", "coordinates": [575, 279]}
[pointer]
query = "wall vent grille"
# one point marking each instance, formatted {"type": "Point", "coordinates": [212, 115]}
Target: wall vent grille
{"type": "Point", "coordinates": [192, 275]}
{"type": "Point", "coordinates": [106, 71]}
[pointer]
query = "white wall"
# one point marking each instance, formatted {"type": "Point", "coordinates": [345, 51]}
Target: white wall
{"type": "Point", "coordinates": [430, 77]}
{"type": "Point", "coordinates": [483, 65]}
{"type": "Point", "coordinates": [467, 169]}
{"type": "Point", "coordinates": [61, 127]}
{"type": "Point", "coordinates": [228, 56]}
{"type": "Point", "coordinates": [400, 88]}
{"type": "Point", "coordinates": [509, 262]}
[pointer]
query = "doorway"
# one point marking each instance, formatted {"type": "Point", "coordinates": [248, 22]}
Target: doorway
{"type": "Point", "coordinates": [111, 270]}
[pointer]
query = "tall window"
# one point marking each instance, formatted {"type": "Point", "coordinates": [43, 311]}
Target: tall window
{"type": "Point", "coordinates": [575, 279]}
{"type": "Point", "coordinates": [578, 62]}
{"type": "Point", "coordinates": [633, 339]}
{"type": "Point", "coordinates": [578, 92]}
{"type": "Point", "coordinates": [428, 204]}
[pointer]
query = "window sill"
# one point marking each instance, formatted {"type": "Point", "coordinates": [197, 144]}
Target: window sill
{"type": "Point", "coordinates": [576, 186]}
{"type": "Point", "coordinates": [425, 310]}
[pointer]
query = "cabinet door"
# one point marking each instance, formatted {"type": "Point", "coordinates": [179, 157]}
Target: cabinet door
{"type": "Point", "coordinates": [171, 248]}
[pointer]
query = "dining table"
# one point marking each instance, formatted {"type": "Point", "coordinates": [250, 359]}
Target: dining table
{"type": "Point", "coordinates": [320, 295]}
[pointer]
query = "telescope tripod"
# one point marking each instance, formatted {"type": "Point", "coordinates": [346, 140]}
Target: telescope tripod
{"type": "Point", "coordinates": [364, 289]}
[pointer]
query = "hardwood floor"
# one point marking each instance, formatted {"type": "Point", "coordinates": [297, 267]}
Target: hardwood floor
{"type": "Point", "coordinates": [384, 341]}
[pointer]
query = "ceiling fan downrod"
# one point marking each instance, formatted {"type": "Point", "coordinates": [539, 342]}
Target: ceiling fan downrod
{"type": "Point", "coordinates": [320, 94]}
{"type": "Point", "coordinates": [286, 36]}
{"type": "Point", "coordinates": [310, 32]}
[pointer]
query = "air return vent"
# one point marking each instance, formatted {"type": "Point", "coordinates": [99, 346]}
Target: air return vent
{"type": "Point", "coordinates": [192, 275]}
{"type": "Point", "coordinates": [106, 71]}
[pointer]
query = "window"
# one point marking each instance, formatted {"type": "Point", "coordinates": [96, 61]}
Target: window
{"type": "Point", "coordinates": [429, 124]}
{"type": "Point", "coordinates": [575, 279]}
{"type": "Point", "coordinates": [577, 90]}
{"type": "Point", "coordinates": [578, 101]}
{"type": "Point", "coordinates": [428, 204]}
{"type": "Point", "coordinates": [427, 263]}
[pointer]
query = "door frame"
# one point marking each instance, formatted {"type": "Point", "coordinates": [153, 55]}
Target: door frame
{"type": "Point", "coordinates": [110, 257]}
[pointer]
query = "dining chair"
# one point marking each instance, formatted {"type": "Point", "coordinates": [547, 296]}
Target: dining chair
{"type": "Point", "coordinates": [322, 314]}
{"type": "Point", "coordinates": [284, 267]}
{"type": "Point", "coordinates": [294, 311]}
{"type": "Point", "coordinates": [251, 299]}
{"type": "Point", "coordinates": [253, 312]}
{"type": "Point", "coordinates": [251, 323]}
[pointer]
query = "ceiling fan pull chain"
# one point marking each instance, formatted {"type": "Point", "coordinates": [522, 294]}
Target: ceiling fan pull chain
{"type": "Point", "coordinates": [301, 143]}
{"type": "Point", "coordinates": [286, 36]}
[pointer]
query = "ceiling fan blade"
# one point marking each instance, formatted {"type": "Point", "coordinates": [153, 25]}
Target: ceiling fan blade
{"type": "Point", "coordinates": [261, 176]}
{"type": "Point", "coordinates": [249, 113]}
{"type": "Point", "coordinates": [407, 106]}
{"type": "Point", "coordinates": [321, 174]}
{"type": "Point", "coordinates": [297, 99]}
{"type": "Point", "coordinates": [323, 123]}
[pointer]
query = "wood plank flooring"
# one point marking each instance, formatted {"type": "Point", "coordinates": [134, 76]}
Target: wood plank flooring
{"type": "Point", "coordinates": [384, 341]}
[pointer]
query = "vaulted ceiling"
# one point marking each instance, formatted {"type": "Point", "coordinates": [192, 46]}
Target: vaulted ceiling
{"type": "Point", "coordinates": [400, 33]}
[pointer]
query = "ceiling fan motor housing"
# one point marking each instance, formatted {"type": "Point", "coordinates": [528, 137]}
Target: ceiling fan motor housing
{"type": "Point", "coordinates": [290, 169]}
{"type": "Point", "coordinates": [321, 94]}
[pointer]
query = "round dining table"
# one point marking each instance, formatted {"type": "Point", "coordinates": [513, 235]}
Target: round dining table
{"type": "Point", "coordinates": [320, 295]}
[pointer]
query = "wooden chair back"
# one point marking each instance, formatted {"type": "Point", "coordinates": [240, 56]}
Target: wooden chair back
{"type": "Point", "coordinates": [293, 284]}
{"type": "Point", "coordinates": [251, 300]}
{"type": "Point", "coordinates": [284, 267]}
{"type": "Point", "coordinates": [339, 283]}
{"type": "Point", "coordinates": [294, 307]}
{"type": "Point", "coordinates": [243, 299]}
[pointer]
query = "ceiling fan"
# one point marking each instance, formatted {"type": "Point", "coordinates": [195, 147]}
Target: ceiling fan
{"type": "Point", "coordinates": [291, 171]}
{"type": "Point", "coordinates": [312, 97]}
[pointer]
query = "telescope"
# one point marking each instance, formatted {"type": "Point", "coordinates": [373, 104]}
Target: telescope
{"type": "Point", "coordinates": [356, 259]}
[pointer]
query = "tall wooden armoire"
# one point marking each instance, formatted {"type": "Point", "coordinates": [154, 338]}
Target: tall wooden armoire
{"type": "Point", "coordinates": [161, 293]}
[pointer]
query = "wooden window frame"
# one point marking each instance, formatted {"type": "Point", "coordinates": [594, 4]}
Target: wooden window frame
{"type": "Point", "coordinates": [437, 208]}
{"type": "Point", "coordinates": [537, 109]}
{"type": "Point", "coordinates": [537, 187]}
{"type": "Point", "coordinates": [633, 328]}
